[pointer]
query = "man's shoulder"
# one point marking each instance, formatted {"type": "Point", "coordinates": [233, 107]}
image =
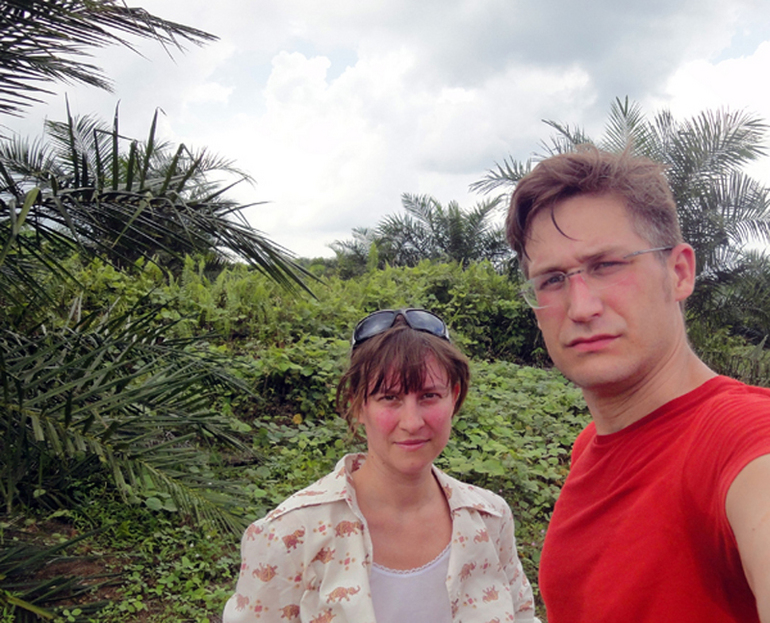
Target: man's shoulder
{"type": "Point", "coordinates": [728, 398]}
{"type": "Point", "coordinates": [729, 412]}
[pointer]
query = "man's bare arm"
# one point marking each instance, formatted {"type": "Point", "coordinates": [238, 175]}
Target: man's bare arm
{"type": "Point", "coordinates": [748, 510]}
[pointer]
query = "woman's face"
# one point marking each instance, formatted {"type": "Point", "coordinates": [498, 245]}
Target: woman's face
{"type": "Point", "coordinates": [406, 432]}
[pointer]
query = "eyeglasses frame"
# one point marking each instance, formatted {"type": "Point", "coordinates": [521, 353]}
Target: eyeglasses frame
{"type": "Point", "coordinates": [528, 291]}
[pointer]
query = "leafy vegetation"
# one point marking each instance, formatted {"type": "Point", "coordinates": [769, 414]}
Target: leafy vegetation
{"type": "Point", "coordinates": [265, 380]}
{"type": "Point", "coordinates": [427, 231]}
{"type": "Point", "coordinates": [49, 37]}
{"type": "Point", "coordinates": [165, 378]}
{"type": "Point", "coordinates": [101, 396]}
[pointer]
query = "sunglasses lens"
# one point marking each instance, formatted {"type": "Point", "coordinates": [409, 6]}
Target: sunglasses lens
{"type": "Point", "coordinates": [422, 320]}
{"type": "Point", "coordinates": [373, 324]}
{"type": "Point", "coordinates": [380, 321]}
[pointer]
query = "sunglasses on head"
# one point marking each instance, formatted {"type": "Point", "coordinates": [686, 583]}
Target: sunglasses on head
{"type": "Point", "coordinates": [380, 321]}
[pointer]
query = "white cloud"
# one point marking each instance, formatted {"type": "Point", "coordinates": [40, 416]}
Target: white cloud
{"type": "Point", "coordinates": [343, 150]}
{"type": "Point", "coordinates": [336, 108]}
{"type": "Point", "coordinates": [735, 83]}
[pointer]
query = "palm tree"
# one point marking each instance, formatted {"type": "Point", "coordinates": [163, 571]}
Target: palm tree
{"type": "Point", "coordinates": [107, 395]}
{"type": "Point", "coordinates": [81, 189]}
{"type": "Point", "coordinates": [357, 255]}
{"type": "Point", "coordinates": [724, 213]}
{"type": "Point", "coordinates": [90, 391]}
{"type": "Point", "coordinates": [429, 230]}
{"type": "Point", "coordinates": [44, 40]}
{"type": "Point", "coordinates": [721, 209]}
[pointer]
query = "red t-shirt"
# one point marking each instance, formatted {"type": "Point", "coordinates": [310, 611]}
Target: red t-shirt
{"type": "Point", "coordinates": [640, 531]}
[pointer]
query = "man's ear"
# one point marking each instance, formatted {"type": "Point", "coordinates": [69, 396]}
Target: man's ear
{"type": "Point", "coordinates": [682, 264]}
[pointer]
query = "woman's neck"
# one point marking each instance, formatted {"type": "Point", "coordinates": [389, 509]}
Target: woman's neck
{"type": "Point", "coordinates": [377, 489]}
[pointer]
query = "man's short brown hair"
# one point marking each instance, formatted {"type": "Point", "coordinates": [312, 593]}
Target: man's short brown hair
{"type": "Point", "coordinates": [397, 359]}
{"type": "Point", "coordinates": [639, 182]}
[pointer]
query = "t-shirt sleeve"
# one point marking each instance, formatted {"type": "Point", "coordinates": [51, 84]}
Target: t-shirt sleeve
{"type": "Point", "coordinates": [735, 432]}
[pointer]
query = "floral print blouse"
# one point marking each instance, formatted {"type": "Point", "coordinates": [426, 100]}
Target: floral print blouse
{"type": "Point", "coordinates": [309, 559]}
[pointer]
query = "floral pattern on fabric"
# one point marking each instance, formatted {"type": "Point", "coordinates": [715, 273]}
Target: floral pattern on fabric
{"type": "Point", "coordinates": [309, 559]}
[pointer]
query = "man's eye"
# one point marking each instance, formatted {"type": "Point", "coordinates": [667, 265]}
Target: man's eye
{"type": "Point", "coordinates": [551, 281]}
{"type": "Point", "coordinates": [607, 267]}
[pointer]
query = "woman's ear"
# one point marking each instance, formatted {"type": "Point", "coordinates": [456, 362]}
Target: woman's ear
{"type": "Point", "coordinates": [455, 392]}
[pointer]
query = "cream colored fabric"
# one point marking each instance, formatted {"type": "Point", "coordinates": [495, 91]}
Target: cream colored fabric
{"type": "Point", "coordinates": [309, 560]}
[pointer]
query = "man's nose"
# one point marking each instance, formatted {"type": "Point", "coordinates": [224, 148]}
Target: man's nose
{"type": "Point", "coordinates": [582, 302]}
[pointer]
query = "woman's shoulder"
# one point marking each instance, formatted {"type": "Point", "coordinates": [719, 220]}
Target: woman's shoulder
{"type": "Point", "coordinates": [461, 494]}
{"type": "Point", "coordinates": [331, 488]}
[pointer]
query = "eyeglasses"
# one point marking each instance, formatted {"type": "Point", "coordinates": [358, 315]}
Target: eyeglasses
{"type": "Point", "coordinates": [380, 321]}
{"type": "Point", "coordinates": [551, 288]}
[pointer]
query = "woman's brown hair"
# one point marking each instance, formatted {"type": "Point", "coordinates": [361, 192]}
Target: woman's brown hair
{"type": "Point", "coordinates": [397, 359]}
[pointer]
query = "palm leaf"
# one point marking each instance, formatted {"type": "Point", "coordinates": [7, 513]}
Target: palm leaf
{"type": "Point", "coordinates": [119, 389]}
{"type": "Point", "coordinates": [48, 40]}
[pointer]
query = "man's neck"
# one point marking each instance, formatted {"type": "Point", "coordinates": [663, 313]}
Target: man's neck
{"type": "Point", "coordinates": [613, 408]}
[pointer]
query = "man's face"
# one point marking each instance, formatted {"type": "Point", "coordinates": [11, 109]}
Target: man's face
{"type": "Point", "coordinates": [614, 338]}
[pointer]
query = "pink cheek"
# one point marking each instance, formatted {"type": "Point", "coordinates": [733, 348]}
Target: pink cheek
{"type": "Point", "coordinates": [439, 418]}
{"type": "Point", "coordinates": [385, 421]}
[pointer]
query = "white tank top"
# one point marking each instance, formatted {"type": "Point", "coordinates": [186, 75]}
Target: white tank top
{"type": "Point", "coordinates": [412, 595]}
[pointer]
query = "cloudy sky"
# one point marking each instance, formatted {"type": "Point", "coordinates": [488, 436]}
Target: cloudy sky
{"type": "Point", "coordinates": [336, 108]}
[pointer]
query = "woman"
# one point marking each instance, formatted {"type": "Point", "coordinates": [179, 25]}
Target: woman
{"type": "Point", "coordinates": [386, 536]}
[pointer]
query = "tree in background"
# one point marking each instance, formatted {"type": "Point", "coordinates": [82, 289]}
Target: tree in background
{"type": "Point", "coordinates": [108, 396]}
{"type": "Point", "coordinates": [45, 40]}
{"type": "Point", "coordinates": [724, 214]}
{"type": "Point", "coordinates": [85, 188]}
{"type": "Point", "coordinates": [429, 230]}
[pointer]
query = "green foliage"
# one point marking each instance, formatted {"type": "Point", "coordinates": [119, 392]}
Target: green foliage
{"type": "Point", "coordinates": [113, 395]}
{"type": "Point", "coordinates": [427, 231]}
{"type": "Point", "coordinates": [483, 308]}
{"type": "Point", "coordinates": [36, 574]}
{"type": "Point", "coordinates": [49, 38]}
{"type": "Point", "coordinates": [178, 573]}
{"type": "Point", "coordinates": [729, 354]}
{"type": "Point", "coordinates": [287, 354]}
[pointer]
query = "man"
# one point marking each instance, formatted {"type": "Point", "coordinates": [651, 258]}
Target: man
{"type": "Point", "coordinates": [665, 515]}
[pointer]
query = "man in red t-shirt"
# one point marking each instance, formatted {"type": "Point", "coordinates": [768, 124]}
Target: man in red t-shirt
{"type": "Point", "coordinates": [665, 515]}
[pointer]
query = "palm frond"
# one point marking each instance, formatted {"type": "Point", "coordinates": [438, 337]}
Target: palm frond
{"type": "Point", "coordinates": [45, 40]}
{"type": "Point", "coordinates": [628, 128]}
{"type": "Point", "coordinates": [505, 174]}
{"type": "Point", "coordinates": [162, 206]}
{"type": "Point", "coordinates": [121, 390]}
{"type": "Point", "coordinates": [565, 140]}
